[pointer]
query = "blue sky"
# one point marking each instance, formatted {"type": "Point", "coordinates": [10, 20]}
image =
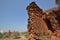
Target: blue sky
{"type": "Point", "coordinates": [13, 14]}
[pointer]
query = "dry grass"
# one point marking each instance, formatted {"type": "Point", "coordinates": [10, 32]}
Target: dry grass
{"type": "Point", "coordinates": [23, 36]}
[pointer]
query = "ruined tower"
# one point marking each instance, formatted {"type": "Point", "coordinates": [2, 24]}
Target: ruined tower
{"type": "Point", "coordinates": [36, 25]}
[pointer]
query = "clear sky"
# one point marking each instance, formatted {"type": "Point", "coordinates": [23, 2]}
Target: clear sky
{"type": "Point", "coordinates": [13, 14]}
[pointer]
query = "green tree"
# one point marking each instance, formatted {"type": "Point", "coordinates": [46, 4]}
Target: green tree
{"type": "Point", "coordinates": [1, 35]}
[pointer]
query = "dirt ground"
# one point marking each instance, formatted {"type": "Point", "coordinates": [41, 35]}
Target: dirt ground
{"type": "Point", "coordinates": [13, 39]}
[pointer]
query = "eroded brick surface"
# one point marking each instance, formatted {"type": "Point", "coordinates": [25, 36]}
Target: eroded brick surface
{"type": "Point", "coordinates": [42, 22]}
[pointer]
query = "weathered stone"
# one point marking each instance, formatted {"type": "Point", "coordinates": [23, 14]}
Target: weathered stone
{"type": "Point", "coordinates": [42, 22]}
{"type": "Point", "coordinates": [36, 25]}
{"type": "Point", "coordinates": [57, 33]}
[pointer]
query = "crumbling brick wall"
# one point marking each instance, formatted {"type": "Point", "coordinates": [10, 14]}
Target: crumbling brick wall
{"type": "Point", "coordinates": [42, 22]}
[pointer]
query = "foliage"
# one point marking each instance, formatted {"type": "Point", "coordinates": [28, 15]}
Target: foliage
{"type": "Point", "coordinates": [16, 35]}
{"type": "Point", "coordinates": [24, 33]}
{"type": "Point", "coordinates": [1, 35]}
